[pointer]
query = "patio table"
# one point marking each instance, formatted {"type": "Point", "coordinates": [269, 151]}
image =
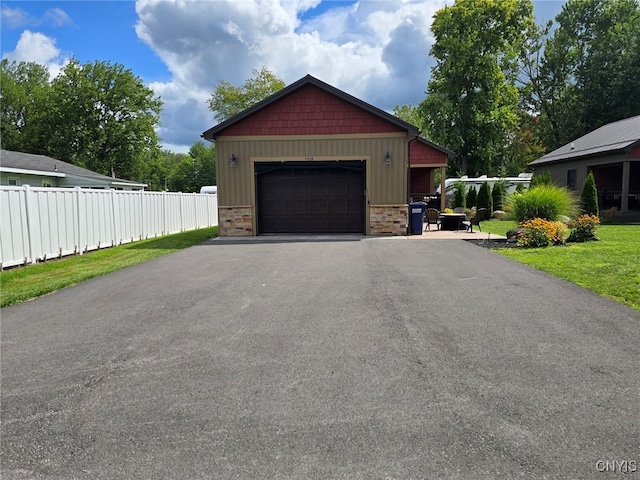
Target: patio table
{"type": "Point", "coordinates": [452, 221]}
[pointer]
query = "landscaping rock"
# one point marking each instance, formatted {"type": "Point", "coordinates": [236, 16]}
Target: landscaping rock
{"type": "Point", "coordinates": [515, 233]}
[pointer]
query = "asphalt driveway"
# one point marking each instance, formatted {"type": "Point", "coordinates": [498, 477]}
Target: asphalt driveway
{"type": "Point", "coordinates": [362, 358]}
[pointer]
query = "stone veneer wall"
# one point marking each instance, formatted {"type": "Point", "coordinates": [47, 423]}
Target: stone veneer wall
{"type": "Point", "coordinates": [387, 220]}
{"type": "Point", "coordinates": [235, 221]}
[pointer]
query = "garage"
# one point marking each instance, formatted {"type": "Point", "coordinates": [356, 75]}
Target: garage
{"type": "Point", "coordinates": [312, 159]}
{"type": "Point", "coordinates": [322, 197]}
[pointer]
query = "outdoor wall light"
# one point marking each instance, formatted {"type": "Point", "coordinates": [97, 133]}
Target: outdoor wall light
{"type": "Point", "coordinates": [387, 158]}
{"type": "Point", "coordinates": [233, 161]}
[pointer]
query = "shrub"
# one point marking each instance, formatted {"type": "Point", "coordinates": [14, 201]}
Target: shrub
{"type": "Point", "coordinates": [609, 215]}
{"type": "Point", "coordinates": [539, 232]}
{"type": "Point", "coordinates": [545, 201]}
{"type": "Point", "coordinates": [520, 188]}
{"type": "Point", "coordinates": [472, 197]}
{"type": "Point", "coordinates": [484, 199]}
{"type": "Point", "coordinates": [459, 195]}
{"type": "Point", "coordinates": [543, 178]}
{"type": "Point", "coordinates": [589, 196]}
{"type": "Point", "coordinates": [584, 229]}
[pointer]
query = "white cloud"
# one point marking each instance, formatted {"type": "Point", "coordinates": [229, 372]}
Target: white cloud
{"type": "Point", "coordinates": [17, 18]}
{"type": "Point", "coordinates": [58, 17]}
{"type": "Point", "coordinates": [37, 47]}
{"type": "Point", "coordinates": [377, 51]}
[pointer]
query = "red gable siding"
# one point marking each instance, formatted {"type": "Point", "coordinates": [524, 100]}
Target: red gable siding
{"type": "Point", "coordinates": [423, 154]}
{"type": "Point", "coordinates": [310, 111]}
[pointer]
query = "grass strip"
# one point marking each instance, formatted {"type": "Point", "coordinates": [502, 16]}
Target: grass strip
{"type": "Point", "coordinates": [31, 281]}
{"type": "Point", "coordinates": [609, 267]}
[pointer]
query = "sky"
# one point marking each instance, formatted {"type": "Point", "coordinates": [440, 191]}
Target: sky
{"type": "Point", "coordinates": [376, 50]}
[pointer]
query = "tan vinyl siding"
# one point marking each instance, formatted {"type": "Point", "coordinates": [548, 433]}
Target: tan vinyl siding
{"type": "Point", "coordinates": [386, 183]}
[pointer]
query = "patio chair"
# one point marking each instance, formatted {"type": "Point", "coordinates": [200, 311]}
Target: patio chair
{"type": "Point", "coordinates": [475, 220]}
{"type": "Point", "coordinates": [432, 217]}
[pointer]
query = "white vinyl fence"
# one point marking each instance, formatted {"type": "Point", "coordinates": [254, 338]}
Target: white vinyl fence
{"type": "Point", "coordinates": [37, 224]}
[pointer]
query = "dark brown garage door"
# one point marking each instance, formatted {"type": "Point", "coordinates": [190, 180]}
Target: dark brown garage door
{"type": "Point", "coordinates": [310, 198]}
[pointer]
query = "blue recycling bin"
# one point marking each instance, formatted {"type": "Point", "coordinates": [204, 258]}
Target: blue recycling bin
{"type": "Point", "coordinates": [416, 214]}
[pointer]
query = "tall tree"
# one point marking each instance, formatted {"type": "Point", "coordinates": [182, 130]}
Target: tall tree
{"type": "Point", "coordinates": [410, 113]}
{"type": "Point", "coordinates": [589, 73]}
{"type": "Point", "coordinates": [101, 116]}
{"type": "Point", "coordinates": [204, 161]}
{"type": "Point", "coordinates": [24, 91]}
{"type": "Point", "coordinates": [229, 100]}
{"type": "Point", "coordinates": [472, 98]}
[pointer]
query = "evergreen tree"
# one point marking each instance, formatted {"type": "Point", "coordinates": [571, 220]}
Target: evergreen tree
{"type": "Point", "coordinates": [472, 197]}
{"type": "Point", "coordinates": [496, 196]}
{"type": "Point", "coordinates": [459, 195]}
{"type": "Point", "coordinates": [543, 178]}
{"type": "Point", "coordinates": [484, 199]}
{"type": "Point", "coordinates": [589, 196]}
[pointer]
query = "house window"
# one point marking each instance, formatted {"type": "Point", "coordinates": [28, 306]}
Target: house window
{"type": "Point", "coordinates": [13, 181]}
{"type": "Point", "coordinates": [571, 179]}
{"type": "Point", "coordinates": [46, 183]}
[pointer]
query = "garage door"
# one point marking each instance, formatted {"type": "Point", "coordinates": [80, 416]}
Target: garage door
{"type": "Point", "coordinates": [325, 197]}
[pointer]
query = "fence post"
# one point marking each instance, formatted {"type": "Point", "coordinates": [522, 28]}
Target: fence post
{"type": "Point", "coordinates": [164, 212]}
{"type": "Point", "coordinates": [78, 219]}
{"type": "Point", "coordinates": [114, 234]}
{"type": "Point", "coordinates": [181, 212]}
{"type": "Point", "coordinates": [31, 258]}
{"type": "Point", "coordinates": [142, 225]}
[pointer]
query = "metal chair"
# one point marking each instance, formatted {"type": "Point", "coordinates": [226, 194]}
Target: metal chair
{"type": "Point", "coordinates": [432, 217]}
{"type": "Point", "coordinates": [475, 220]}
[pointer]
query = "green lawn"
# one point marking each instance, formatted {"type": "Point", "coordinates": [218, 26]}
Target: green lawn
{"type": "Point", "coordinates": [609, 267]}
{"type": "Point", "coordinates": [24, 283]}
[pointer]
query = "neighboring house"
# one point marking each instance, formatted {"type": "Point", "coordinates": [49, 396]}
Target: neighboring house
{"type": "Point", "coordinates": [314, 159]}
{"type": "Point", "coordinates": [612, 153]}
{"type": "Point", "coordinates": [18, 168]}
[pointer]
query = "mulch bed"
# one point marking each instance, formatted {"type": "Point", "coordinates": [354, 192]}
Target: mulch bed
{"type": "Point", "coordinates": [495, 243]}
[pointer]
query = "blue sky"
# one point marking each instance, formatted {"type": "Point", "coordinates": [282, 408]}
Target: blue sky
{"type": "Point", "coordinates": [376, 50]}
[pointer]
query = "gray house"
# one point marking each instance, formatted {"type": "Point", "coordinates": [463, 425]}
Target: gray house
{"type": "Point", "coordinates": [17, 168]}
{"type": "Point", "coordinates": [612, 153]}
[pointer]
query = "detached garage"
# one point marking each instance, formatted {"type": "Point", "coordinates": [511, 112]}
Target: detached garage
{"type": "Point", "coordinates": [314, 159]}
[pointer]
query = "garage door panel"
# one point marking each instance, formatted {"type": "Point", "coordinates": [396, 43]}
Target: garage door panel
{"type": "Point", "coordinates": [311, 199]}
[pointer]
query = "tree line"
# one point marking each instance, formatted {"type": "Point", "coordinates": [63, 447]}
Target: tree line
{"type": "Point", "coordinates": [98, 116]}
{"type": "Point", "coordinates": [503, 92]}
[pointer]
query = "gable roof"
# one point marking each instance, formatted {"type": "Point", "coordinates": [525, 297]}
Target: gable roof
{"type": "Point", "coordinates": [429, 143]}
{"type": "Point", "coordinates": [32, 164]}
{"type": "Point", "coordinates": [215, 131]}
{"type": "Point", "coordinates": [613, 137]}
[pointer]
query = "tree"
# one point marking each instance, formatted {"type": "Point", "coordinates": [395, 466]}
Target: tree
{"type": "Point", "coordinates": [472, 197]}
{"type": "Point", "coordinates": [589, 196]}
{"type": "Point", "coordinates": [411, 114]}
{"type": "Point", "coordinates": [472, 98]}
{"type": "Point", "coordinates": [229, 100]}
{"type": "Point", "coordinates": [589, 73]}
{"type": "Point", "coordinates": [204, 161]}
{"type": "Point", "coordinates": [102, 117]}
{"type": "Point", "coordinates": [542, 178]}
{"type": "Point", "coordinates": [496, 196]}
{"type": "Point", "coordinates": [484, 199]}
{"type": "Point", "coordinates": [24, 90]}
{"type": "Point", "coordinates": [459, 195]}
